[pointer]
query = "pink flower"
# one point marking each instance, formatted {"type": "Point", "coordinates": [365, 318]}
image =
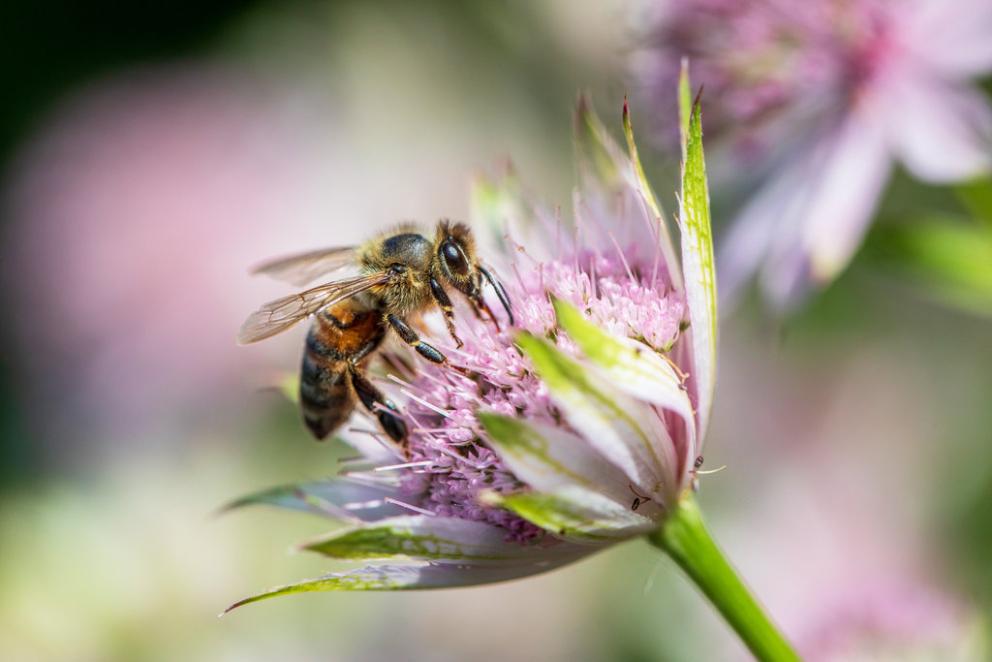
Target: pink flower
{"type": "Point", "coordinates": [893, 619]}
{"type": "Point", "coordinates": [823, 98]}
{"type": "Point", "coordinates": [127, 216]}
{"type": "Point", "coordinates": [580, 429]}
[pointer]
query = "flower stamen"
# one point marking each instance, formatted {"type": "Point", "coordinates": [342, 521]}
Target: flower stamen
{"type": "Point", "coordinates": [410, 507]}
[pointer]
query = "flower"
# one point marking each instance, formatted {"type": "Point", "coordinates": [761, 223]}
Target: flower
{"type": "Point", "coordinates": [822, 98]}
{"type": "Point", "coordinates": [579, 429]}
{"type": "Point", "coordinates": [895, 619]}
{"type": "Point", "coordinates": [109, 198]}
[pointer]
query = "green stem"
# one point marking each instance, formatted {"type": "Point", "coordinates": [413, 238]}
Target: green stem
{"type": "Point", "coordinates": [685, 538]}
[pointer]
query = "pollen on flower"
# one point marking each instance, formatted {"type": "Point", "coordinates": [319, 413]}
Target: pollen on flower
{"type": "Point", "coordinates": [451, 468]}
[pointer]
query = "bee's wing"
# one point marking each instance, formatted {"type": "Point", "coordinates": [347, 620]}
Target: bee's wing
{"type": "Point", "coordinates": [303, 268]}
{"type": "Point", "coordinates": [277, 316]}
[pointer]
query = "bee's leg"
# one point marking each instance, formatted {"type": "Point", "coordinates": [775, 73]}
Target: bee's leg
{"type": "Point", "coordinates": [411, 338]}
{"type": "Point", "coordinates": [365, 349]}
{"type": "Point", "coordinates": [444, 303]}
{"type": "Point", "coordinates": [500, 292]}
{"type": "Point", "coordinates": [481, 305]}
{"type": "Point", "coordinates": [370, 396]}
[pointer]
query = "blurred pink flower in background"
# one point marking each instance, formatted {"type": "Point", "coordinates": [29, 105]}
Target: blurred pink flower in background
{"type": "Point", "coordinates": [893, 619]}
{"type": "Point", "coordinates": [848, 559]}
{"type": "Point", "coordinates": [823, 98]}
{"type": "Point", "coordinates": [132, 218]}
{"type": "Point", "coordinates": [852, 576]}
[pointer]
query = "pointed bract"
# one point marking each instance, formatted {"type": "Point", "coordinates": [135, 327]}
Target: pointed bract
{"type": "Point", "coordinates": [578, 515]}
{"type": "Point", "coordinates": [548, 458]}
{"type": "Point", "coordinates": [698, 267]}
{"type": "Point", "coordinates": [423, 537]}
{"type": "Point", "coordinates": [336, 498]}
{"type": "Point", "coordinates": [406, 577]}
{"type": "Point", "coordinates": [643, 187]}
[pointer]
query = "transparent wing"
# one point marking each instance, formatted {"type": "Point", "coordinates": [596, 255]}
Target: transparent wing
{"type": "Point", "coordinates": [303, 268]}
{"type": "Point", "coordinates": [277, 316]}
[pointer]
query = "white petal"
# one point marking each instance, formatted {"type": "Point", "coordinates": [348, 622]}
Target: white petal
{"type": "Point", "coordinates": [851, 168]}
{"type": "Point", "coordinates": [549, 458]}
{"type": "Point", "coordinates": [942, 131]}
{"type": "Point", "coordinates": [770, 213]}
{"type": "Point", "coordinates": [810, 216]}
{"type": "Point", "coordinates": [953, 38]}
{"type": "Point", "coordinates": [435, 539]}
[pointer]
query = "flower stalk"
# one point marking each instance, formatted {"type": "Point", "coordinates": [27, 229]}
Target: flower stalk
{"type": "Point", "coordinates": [683, 535]}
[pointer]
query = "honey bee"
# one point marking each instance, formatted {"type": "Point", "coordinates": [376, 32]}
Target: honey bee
{"type": "Point", "coordinates": [401, 274]}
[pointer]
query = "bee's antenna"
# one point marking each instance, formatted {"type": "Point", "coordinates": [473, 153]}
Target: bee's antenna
{"type": "Point", "coordinates": [500, 292]}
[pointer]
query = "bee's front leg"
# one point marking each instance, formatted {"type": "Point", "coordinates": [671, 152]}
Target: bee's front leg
{"type": "Point", "coordinates": [479, 305]}
{"type": "Point", "coordinates": [411, 338]}
{"type": "Point", "coordinates": [444, 303]}
{"type": "Point", "coordinates": [500, 292]}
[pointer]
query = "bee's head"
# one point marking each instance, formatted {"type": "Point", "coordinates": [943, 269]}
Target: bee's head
{"type": "Point", "coordinates": [459, 266]}
{"type": "Point", "coordinates": [456, 257]}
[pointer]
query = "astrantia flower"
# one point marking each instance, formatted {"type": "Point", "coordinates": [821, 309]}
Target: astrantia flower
{"type": "Point", "coordinates": [824, 97]}
{"type": "Point", "coordinates": [578, 429]}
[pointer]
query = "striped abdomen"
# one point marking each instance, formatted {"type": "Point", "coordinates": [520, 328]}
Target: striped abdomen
{"type": "Point", "coordinates": [340, 339]}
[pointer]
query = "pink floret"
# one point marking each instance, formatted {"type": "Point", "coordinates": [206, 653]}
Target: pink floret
{"type": "Point", "coordinates": [493, 375]}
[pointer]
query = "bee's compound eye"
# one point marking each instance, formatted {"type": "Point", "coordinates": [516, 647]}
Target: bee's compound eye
{"type": "Point", "coordinates": [454, 258]}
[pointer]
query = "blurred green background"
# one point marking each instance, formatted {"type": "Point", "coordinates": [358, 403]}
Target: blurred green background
{"type": "Point", "coordinates": [150, 152]}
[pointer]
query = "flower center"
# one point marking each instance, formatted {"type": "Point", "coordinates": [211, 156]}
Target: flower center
{"type": "Point", "coordinates": [454, 463]}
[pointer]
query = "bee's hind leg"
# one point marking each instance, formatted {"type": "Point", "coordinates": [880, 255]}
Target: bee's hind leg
{"type": "Point", "coordinates": [370, 396]}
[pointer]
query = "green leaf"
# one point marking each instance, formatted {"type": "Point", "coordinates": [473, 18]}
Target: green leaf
{"type": "Point", "coordinates": [976, 196]}
{"type": "Point", "coordinates": [950, 258]}
{"type": "Point", "coordinates": [698, 267]}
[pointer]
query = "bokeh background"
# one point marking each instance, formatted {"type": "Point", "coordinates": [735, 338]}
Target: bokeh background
{"type": "Point", "coordinates": [151, 152]}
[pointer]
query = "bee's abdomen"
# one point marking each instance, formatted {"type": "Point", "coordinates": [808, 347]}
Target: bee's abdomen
{"type": "Point", "coordinates": [326, 398]}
